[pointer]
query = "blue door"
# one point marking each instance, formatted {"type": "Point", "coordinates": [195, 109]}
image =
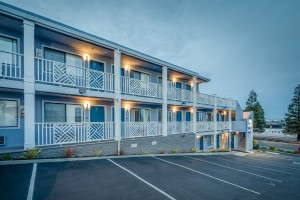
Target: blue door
{"type": "Point", "coordinates": [218, 141]}
{"type": "Point", "coordinates": [95, 65]}
{"type": "Point", "coordinates": [178, 85]}
{"type": "Point", "coordinates": [178, 116]}
{"type": "Point", "coordinates": [187, 87]}
{"type": "Point", "coordinates": [97, 114]}
{"type": "Point", "coordinates": [232, 141]}
{"type": "Point", "coordinates": [188, 116]}
{"type": "Point", "coordinates": [201, 143]}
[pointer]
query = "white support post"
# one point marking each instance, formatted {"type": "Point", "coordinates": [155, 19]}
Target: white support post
{"type": "Point", "coordinates": [215, 123]}
{"type": "Point", "coordinates": [165, 101]}
{"type": "Point", "coordinates": [117, 97]}
{"type": "Point", "coordinates": [195, 104]}
{"type": "Point", "coordinates": [29, 89]}
{"type": "Point", "coordinates": [230, 126]}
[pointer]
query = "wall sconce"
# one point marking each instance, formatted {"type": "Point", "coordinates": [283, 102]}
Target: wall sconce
{"type": "Point", "coordinates": [174, 80]}
{"type": "Point", "coordinates": [86, 57]}
{"type": "Point", "coordinates": [127, 67]}
{"type": "Point", "coordinates": [198, 137]}
{"type": "Point", "coordinates": [192, 84]}
{"type": "Point", "coordinates": [174, 109]}
{"type": "Point", "coordinates": [224, 113]}
{"type": "Point", "coordinates": [126, 107]}
{"type": "Point", "coordinates": [192, 110]}
{"type": "Point", "coordinates": [86, 104]}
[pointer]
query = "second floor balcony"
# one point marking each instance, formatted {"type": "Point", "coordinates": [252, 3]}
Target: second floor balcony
{"type": "Point", "coordinates": [11, 66]}
{"type": "Point", "coordinates": [62, 74]}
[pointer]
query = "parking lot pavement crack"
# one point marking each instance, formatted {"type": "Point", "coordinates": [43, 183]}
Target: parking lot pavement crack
{"type": "Point", "coordinates": [172, 163]}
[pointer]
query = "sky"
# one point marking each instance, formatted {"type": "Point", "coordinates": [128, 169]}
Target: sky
{"type": "Point", "coordinates": [241, 45]}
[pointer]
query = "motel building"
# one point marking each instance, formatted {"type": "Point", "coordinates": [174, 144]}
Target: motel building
{"type": "Point", "coordinates": [61, 87]}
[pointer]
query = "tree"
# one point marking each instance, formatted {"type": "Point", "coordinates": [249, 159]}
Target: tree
{"type": "Point", "coordinates": [252, 104]}
{"type": "Point", "coordinates": [292, 117]}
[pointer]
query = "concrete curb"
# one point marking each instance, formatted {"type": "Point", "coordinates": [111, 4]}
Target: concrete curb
{"type": "Point", "coordinates": [52, 160]}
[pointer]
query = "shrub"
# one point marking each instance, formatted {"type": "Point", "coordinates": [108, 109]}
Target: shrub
{"type": "Point", "coordinates": [144, 152]}
{"type": "Point", "coordinates": [31, 153]}
{"type": "Point", "coordinates": [175, 150]}
{"type": "Point", "coordinates": [255, 144]}
{"type": "Point", "coordinates": [97, 153]}
{"type": "Point", "coordinates": [186, 151]}
{"type": "Point", "coordinates": [162, 152]}
{"type": "Point", "coordinates": [69, 153]}
{"type": "Point", "coordinates": [194, 150]}
{"type": "Point", "coordinates": [121, 152]}
{"type": "Point", "coordinates": [272, 148]}
{"type": "Point", "coordinates": [7, 157]}
{"type": "Point", "coordinates": [279, 150]}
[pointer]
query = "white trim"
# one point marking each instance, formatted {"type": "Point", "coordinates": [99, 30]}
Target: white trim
{"type": "Point", "coordinates": [18, 113]}
{"type": "Point", "coordinates": [141, 72]}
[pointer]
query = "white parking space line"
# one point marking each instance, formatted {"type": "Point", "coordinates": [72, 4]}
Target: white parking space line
{"type": "Point", "coordinates": [246, 164]}
{"type": "Point", "coordinates": [271, 164]}
{"type": "Point", "coordinates": [269, 156]}
{"type": "Point", "coordinates": [154, 187]}
{"type": "Point", "coordinates": [239, 170]}
{"type": "Point", "coordinates": [207, 175]}
{"type": "Point", "coordinates": [32, 180]}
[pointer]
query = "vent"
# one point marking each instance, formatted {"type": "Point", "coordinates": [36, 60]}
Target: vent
{"type": "Point", "coordinates": [2, 140]}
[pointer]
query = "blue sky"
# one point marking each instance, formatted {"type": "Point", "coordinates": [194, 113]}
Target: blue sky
{"type": "Point", "coordinates": [239, 44]}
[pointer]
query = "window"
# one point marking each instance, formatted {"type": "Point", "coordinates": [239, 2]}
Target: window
{"type": "Point", "coordinates": [187, 87]}
{"type": "Point", "coordinates": [60, 112]}
{"type": "Point", "coordinates": [170, 116]}
{"type": "Point", "coordinates": [140, 115]}
{"type": "Point", "coordinates": [159, 80]}
{"type": "Point", "coordinates": [209, 140]}
{"type": "Point", "coordinates": [159, 115]}
{"type": "Point", "coordinates": [8, 45]}
{"type": "Point", "coordinates": [8, 113]}
{"type": "Point", "coordinates": [199, 117]}
{"type": "Point", "coordinates": [73, 62]}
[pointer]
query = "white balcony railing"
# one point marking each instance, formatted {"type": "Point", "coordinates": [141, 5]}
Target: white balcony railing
{"type": "Point", "coordinates": [204, 126]}
{"type": "Point", "coordinates": [11, 65]}
{"type": "Point", "coordinates": [224, 102]}
{"type": "Point", "coordinates": [62, 133]}
{"type": "Point", "coordinates": [224, 125]}
{"type": "Point", "coordinates": [140, 88]}
{"type": "Point", "coordinates": [141, 129]}
{"type": "Point", "coordinates": [178, 94]}
{"type": "Point", "coordinates": [206, 99]}
{"type": "Point", "coordinates": [56, 73]}
{"type": "Point", "coordinates": [180, 127]}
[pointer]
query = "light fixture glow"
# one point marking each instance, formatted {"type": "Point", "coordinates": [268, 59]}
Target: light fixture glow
{"type": "Point", "coordinates": [127, 67]}
{"type": "Point", "coordinates": [86, 104]}
{"type": "Point", "coordinates": [174, 80]}
{"type": "Point", "coordinates": [86, 57]}
{"type": "Point", "coordinates": [126, 107]}
{"type": "Point", "coordinates": [192, 110]}
{"type": "Point", "coordinates": [174, 109]}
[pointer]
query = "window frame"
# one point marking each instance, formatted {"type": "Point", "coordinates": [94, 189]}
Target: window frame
{"type": "Point", "coordinates": [18, 113]}
{"type": "Point", "coordinates": [62, 102]}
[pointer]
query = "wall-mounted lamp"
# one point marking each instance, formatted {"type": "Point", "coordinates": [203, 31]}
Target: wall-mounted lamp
{"type": "Point", "coordinates": [198, 137]}
{"type": "Point", "coordinates": [174, 80]}
{"type": "Point", "coordinates": [127, 107]}
{"type": "Point", "coordinates": [127, 67]}
{"type": "Point", "coordinates": [86, 57]}
{"type": "Point", "coordinates": [224, 112]}
{"type": "Point", "coordinates": [174, 109]}
{"type": "Point", "coordinates": [86, 104]}
{"type": "Point", "coordinates": [192, 110]}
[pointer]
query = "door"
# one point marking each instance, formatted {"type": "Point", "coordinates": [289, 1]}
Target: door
{"type": "Point", "coordinates": [232, 141]}
{"type": "Point", "coordinates": [201, 143]}
{"type": "Point", "coordinates": [188, 116]}
{"type": "Point", "coordinates": [97, 114]}
{"type": "Point", "coordinates": [96, 79]}
{"type": "Point", "coordinates": [218, 141]}
{"type": "Point", "coordinates": [179, 116]}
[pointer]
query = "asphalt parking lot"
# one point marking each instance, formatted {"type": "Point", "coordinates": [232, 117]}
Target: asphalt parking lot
{"type": "Point", "coordinates": [254, 176]}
